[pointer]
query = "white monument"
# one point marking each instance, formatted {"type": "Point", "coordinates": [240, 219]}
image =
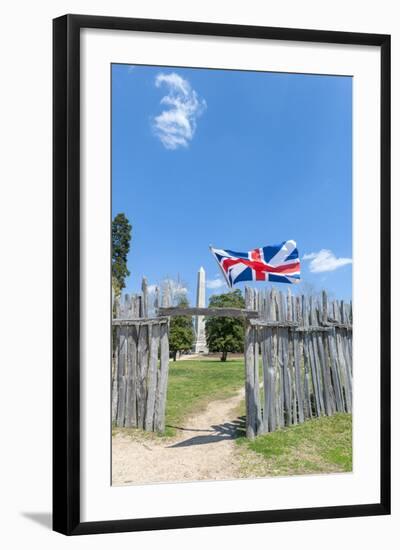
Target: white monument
{"type": "Point", "coordinates": [200, 345]}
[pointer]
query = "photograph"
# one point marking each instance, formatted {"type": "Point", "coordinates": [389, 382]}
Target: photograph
{"type": "Point", "coordinates": [231, 269]}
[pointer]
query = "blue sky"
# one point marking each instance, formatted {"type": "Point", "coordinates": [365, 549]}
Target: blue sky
{"type": "Point", "coordinates": [235, 159]}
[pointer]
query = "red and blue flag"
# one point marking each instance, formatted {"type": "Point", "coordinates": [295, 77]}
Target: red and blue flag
{"type": "Point", "coordinates": [277, 264]}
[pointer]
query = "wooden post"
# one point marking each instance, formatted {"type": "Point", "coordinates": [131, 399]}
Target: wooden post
{"type": "Point", "coordinates": [114, 394]}
{"type": "Point", "coordinates": [141, 389]}
{"type": "Point", "coordinates": [291, 357]}
{"type": "Point", "coordinates": [162, 380]}
{"type": "Point", "coordinates": [315, 357]}
{"type": "Point", "coordinates": [257, 382]}
{"type": "Point", "coordinates": [251, 415]}
{"type": "Point", "coordinates": [272, 367]}
{"type": "Point", "coordinates": [122, 358]}
{"type": "Point", "coordinates": [324, 361]}
{"type": "Point", "coordinates": [145, 298]}
{"type": "Point", "coordinates": [156, 300]}
{"type": "Point", "coordinates": [263, 348]}
{"type": "Point", "coordinates": [131, 375]}
{"type": "Point", "coordinates": [166, 295]}
{"type": "Point", "coordinates": [154, 337]}
{"type": "Point", "coordinates": [307, 362]}
{"type": "Point", "coordinates": [296, 347]}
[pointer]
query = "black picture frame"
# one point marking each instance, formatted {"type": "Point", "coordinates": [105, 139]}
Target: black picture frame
{"type": "Point", "coordinates": [66, 273]}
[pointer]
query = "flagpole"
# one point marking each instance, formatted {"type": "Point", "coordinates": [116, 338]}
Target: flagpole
{"type": "Point", "coordinates": [219, 265]}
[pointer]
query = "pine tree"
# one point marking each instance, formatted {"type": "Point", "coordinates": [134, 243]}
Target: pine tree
{"type": "Point", "coordinates": [121, 238]}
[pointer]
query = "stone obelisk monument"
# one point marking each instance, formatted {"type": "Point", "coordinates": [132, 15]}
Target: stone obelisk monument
{"type": "Point", "coordinates": [200, 345]}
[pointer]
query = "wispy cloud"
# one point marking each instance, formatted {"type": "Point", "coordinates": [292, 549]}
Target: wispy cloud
{"type": "Point", "coordinates": [151, 289]}
{"type": "Point", "coordinates": [176, 287]}
{"type": "Point", "coordinates": [176, 126]}
{"type": "Point", "coordinates": [325, 260]}
{"type": "Point", "coordinates": [216, 283]}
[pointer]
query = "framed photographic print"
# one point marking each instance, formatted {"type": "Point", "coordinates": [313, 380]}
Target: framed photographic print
{"type": "Point", "coordinates": [221, 274]}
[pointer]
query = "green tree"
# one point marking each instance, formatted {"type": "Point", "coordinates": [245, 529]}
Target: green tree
{"type": "Point", "coordinates": [121, 239]}
{"type": "Point", "coordinates": [181, 334]}
{"type": "Point", "coordinates": [225, 334]}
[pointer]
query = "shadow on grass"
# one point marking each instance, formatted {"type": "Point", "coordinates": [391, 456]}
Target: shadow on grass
{"type": "Point", "coordinates": [218, 432]}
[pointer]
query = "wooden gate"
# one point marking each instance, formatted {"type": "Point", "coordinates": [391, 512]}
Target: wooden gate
{"type": "Point", "coordinates": [304, 346]}
{"type": "Point", "coordinates": [140, 362]}
{"type": "Point", "coordinates": [140, 373]}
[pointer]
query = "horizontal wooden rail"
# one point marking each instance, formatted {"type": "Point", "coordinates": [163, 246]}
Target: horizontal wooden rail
{"type": "Point", "coordinates": [325, 327]}
{"type": "Point", "coordinates": [139, 321]}
{"type": "Point", "coordinates": [209, 312]}
{"type": "Point", "coordinates": [338, 325]}
{"type": "Point", "coordinates": [273, 324]}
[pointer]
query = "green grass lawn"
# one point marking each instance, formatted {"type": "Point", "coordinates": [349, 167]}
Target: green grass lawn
{"type": "Point", "coordinates": [194, 383]}
{"type": "Point", "coordinates": [319, 445]}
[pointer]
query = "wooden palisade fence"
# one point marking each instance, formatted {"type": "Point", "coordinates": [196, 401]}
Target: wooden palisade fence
{"type": "Point", "coordinates": [298, 358]}
{"type": "Point", "coordinates": [304, 346]}
{"type": "Point", "coordinates": [140, 362]}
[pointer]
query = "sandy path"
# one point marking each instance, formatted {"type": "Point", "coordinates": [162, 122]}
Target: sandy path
{"type": "Point", "coordinates": [203, 449]}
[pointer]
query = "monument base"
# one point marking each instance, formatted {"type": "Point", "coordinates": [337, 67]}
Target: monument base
{"type": "Point", "coordinates": [200, 347]}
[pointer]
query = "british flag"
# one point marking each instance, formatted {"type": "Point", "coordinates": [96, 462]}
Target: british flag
{"type": "Point", "coordinates": [277, 264]}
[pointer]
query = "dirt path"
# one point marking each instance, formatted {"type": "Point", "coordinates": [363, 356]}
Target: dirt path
{"type": "Point", "coordinates": [203, 449]}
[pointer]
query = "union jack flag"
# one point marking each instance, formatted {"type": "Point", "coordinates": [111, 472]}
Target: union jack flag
{"type": "Point", "coordinates": [278, 264]}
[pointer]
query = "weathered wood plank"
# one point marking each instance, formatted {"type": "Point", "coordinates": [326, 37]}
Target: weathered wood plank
{"type": "Point", "coordinates": [346, 358]}
{"type": "Point", "coordinates": [327, 363]}
{"type": "Point", "coordinates": [156, 300]}
{"type": "Point", "coordinates": [292, 315]}
{"type": "Point", "coordinates": [251, 415]}
{"type": "Point", "coordinates": [263, 352]}
{"type": "Point", "coordinates": [162, 381]}
{"type": "Point", "coordinates": [283, 358]}
{"type": "Point", "coordinates": [299, 386]}
{"type": "Point", "coordinates": [141, 388]}
{"type": "Point", "coordinates": [316, 359]}
{"type": "Point", "coordinates": [308, 389]}
{"type": "Point", "coordinates": [269, 373]}
{"type": "Point", "coordinates": [257, 382]}
{"type": "Point", "coordinates": [114, 391]}
{"type": "Point", "coordinates": [154, 337]}
{"type": "Point", "coordinates": [209, 312]}
{"type": "Point", "coordinates": [337, 387]}
{"type": "Point", "coordinates": [273, 324]}
{"type": "Point", "coordinates": [166, 298]}
{"type": "Point", "coordinates": [274, 382]}
{"type": "Point", "coordinates": [340, 356]}
{"type": "Point", "coordinates": [122, 359]}
{"type": "Point", "coordinates": [286, 377]}
{"type": "Point", "coordinates": [145, 298]}
{"type": "Point", "coordinates": [313, 328]}
{"type": "Point", "coordinates": [139, 321]}
{"type": "Point", "coordinates": [325, 376]}
{"type": "Point", "coordinates": [297, 365]}
{"type": "Point", "coordinates": [131, 376]}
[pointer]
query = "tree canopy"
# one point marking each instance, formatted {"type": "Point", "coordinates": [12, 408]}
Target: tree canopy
{"type": "Point", "coordinates": [225, 334]}
{"type": "Point", "coordinates": [181, 334]}
{"type": "Point", "coordinates": [121, 239]}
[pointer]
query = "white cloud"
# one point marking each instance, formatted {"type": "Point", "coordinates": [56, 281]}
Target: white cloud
{"type": "Point", "coordinates": [151, 289]}
{"type": "Point", "coordinates": [175, 287]}
{"type": "Point", "coordinates": [176, 126]}
{"type": "Point", "coordinates": [325, 260]}
{"type": "Point", "coordinates": [216, 283]}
